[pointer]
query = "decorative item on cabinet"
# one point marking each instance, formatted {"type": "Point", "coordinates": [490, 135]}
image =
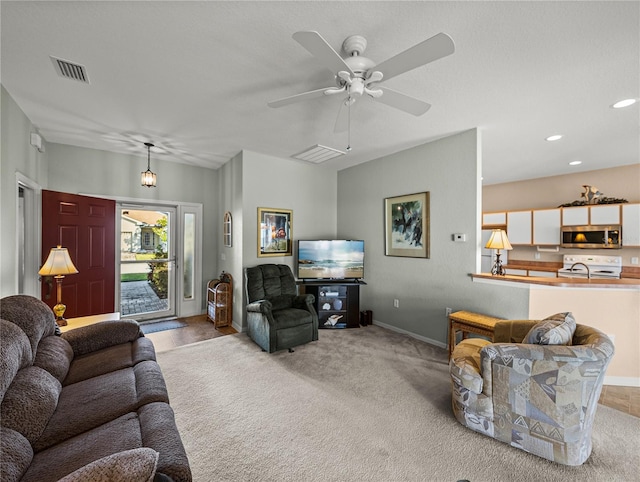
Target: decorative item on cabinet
{"type": "Point", "coordinates": [592, 196]}
{"type": "Point", "coordinates": [220, 300]}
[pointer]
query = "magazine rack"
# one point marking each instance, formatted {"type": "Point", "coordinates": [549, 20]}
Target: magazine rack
{"type": "Point", "coordinates": [220, 300]}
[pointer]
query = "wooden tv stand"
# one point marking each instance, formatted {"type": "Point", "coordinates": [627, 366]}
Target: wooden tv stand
{"type": "Point", "coordinates": [335, 298]}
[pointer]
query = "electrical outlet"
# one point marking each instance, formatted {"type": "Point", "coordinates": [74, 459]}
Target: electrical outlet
{"type": "Point", "coordinates": [634, 260]}
{"type": "Point", "coordinates": [536, 256]}
{"type": "Point", "coordinates": [447, 311]}
{"type": "Point", "coordinates": [396, 303]}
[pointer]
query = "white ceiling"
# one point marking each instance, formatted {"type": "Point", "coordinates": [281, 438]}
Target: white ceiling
{"type": "Point", "coordinates": [195, 78]}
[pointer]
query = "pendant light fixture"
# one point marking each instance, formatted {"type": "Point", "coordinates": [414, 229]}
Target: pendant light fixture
{"type": "Point", "coordinates": [148, 178]}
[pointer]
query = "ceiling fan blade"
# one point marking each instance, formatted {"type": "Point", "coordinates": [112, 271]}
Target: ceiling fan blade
{"type": "Point", "coordinates": [312, 94]}
{"type": "Point", "coordinates": [342, 121]}
{"type": "Point", "coordinates": [320, 48]}
{"type": "Point", "coordinates": [403, 102]}
{"type": "Point", "coordinates": [435, 48]}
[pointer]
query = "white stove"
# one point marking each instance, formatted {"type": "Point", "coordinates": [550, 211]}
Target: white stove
{"type": "Point", "coordinates": [599, 267]}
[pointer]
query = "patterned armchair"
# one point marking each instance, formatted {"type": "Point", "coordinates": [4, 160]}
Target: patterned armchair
{"type": "Point", "coordinates": [277, 317]}
{"type": "Point", "coordinates": [536, 387]}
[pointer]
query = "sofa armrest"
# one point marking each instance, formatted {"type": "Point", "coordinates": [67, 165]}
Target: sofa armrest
{"type": "Point", "coordinates": [260, 306]}
{"type": "Point", "coordinates": [90, 338]}
{"type": "Point", "coordinates": [304, 302]}
{"type": "Point", "coordinates": [136, 465]}
{"type": "Point", "coordinates": [464, 366]}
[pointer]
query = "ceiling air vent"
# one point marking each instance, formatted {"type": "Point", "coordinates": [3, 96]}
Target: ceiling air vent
{"type": "Point", "coordinates": [317, 154]}
{"type": "Point", "coordinates": [69, 70]}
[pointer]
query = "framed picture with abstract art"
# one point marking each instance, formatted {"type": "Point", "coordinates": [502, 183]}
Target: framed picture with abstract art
{"type": "Point", "coordinates": [407, 225]}
{"type": "Point", "coordinates": [274, 232]}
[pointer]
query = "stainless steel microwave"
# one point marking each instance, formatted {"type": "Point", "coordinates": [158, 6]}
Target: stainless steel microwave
{"type": "Point", "coordinates": [592, 237]}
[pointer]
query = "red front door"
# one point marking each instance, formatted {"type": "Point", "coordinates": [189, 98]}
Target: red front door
{"type": "Point", "coordinates": [86, 227]}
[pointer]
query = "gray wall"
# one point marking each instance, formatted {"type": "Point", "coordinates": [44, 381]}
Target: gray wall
{"type": "Point", "coordinates": [230, 258]}
{"type": "Point", "coordinates": [449, 169]}
{"type": "Point", "coordinates": [272, 182]}
{"type": "Point", "coordinates": [16, 155]}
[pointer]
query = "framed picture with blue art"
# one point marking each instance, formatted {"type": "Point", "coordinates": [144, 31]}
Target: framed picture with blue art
{"type": "Point", "coordinates": [407, 225]}
{"type": "Point", "coordinates": [274, 232]}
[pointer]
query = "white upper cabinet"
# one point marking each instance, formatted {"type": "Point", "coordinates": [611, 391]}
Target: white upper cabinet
{"type": "Point", "coordinates": [605, 214]}
{"type": "Point", "coordinates": [493, 219]}
{"type": "Point", "coordinates": [631, 225]}
{"type": "Point", "coordinates": [519, 227]}
{"type": "Point", "coordinates": [575, 216]}
{"type": "Point", "coordinates": [546, 227]}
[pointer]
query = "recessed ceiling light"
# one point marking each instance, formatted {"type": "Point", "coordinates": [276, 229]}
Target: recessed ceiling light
{"type": "Point", "coordinates": [624, 103]}
{"type": "Point", "coordinates": [554, 137]}
{"type": "Point", "coordinates": [575, 163]}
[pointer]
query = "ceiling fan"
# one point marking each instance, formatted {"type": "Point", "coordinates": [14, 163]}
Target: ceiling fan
{"type": "Point", "coordinates": [356, 75]}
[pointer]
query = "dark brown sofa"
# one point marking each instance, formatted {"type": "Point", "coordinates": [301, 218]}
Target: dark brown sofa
{"type": "Point", "coordinates": [90, 404]}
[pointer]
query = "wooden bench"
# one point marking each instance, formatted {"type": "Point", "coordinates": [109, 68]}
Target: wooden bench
{"type": "Point", "coordinates": [468, 322]}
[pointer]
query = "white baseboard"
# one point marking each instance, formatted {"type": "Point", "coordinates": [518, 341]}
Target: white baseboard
{"type": "Point", "coordinates": [622, 381]}
{"type": "Point", "coordinates": [413, 335]}
{"type": "Point", "coordinates": [618, 381]}
{"type": "Point", "coordinates": [236, 327]}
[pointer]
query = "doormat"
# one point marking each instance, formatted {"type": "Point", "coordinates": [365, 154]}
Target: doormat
{"type": "Point", "coordinates": [157, 326]}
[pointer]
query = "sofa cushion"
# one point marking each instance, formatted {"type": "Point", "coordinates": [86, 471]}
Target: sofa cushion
{"type": "Point", "coordinates": [90, 338]}
{"type": "Point", "coordinates": [16, 353]}
{"type": "Point", "coordinates": [290, 317]}
{"type": "Point", "coordinates": [124, 355]}
{"type": "Point", "coordinates": [87, 404]}
{"type": "Point", "coordinates": [54, 355]}
{"type": "Point", "coordinates": [557, 329]}
{"type": "Point", "coordinates": [152, 426]}
{"type": "Point", "coordinates": [33, 316]}
{"type": "Point", "coordinates": [281, 302]}
{"type": "Point", "coordinates": [136, 465]}
{"type": "Point", "coordinates": [61, 459]}
{"type": "Point", "coordinates": [15, 455]}
{"type": "Point", "coordinates": [29, 402]}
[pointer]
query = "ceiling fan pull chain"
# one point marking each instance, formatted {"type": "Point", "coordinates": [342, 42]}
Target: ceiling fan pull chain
{"type": "Point", "coordinates": [349, 124]}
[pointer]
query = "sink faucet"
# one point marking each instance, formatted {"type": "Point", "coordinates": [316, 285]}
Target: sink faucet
{"type": "Point", "coordinates": [588, 271]}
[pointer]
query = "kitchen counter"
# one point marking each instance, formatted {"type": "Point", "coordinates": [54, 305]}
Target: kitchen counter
{"type": "Point", "coordinates": [609, 305]}
{"type": "Point", "coordinates": [623, 283]}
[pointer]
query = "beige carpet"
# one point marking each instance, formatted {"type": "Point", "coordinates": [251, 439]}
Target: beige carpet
{"type": "Point", "coordinates": [361, 404]}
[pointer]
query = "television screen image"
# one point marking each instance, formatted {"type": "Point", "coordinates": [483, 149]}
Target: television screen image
{"type": "Point", "coordinates": [331, 259]}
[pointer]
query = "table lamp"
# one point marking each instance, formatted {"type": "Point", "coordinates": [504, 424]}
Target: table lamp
{"type": "Point", "coordinates": [498, 241]}
{"type": "Point", "coordinates": [58, 264]}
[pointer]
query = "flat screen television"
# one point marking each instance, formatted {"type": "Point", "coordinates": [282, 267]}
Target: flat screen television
{"type": "Point", "coordinates": [330, 259]}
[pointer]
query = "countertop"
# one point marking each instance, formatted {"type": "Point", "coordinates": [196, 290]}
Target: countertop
{"type": "Point", "coordinates": [624, 283]}
{"type": "Point", "coordinates": [552, 266]}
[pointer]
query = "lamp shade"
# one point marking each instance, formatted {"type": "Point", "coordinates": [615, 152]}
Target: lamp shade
{"type": "Point", "coordinates": [58, 263]}
{"type": "Point", "coordinates": [499, 240]}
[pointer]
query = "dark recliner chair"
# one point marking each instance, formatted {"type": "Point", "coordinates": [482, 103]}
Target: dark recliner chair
{"type": "Point", "coordinates": [277, 317]}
